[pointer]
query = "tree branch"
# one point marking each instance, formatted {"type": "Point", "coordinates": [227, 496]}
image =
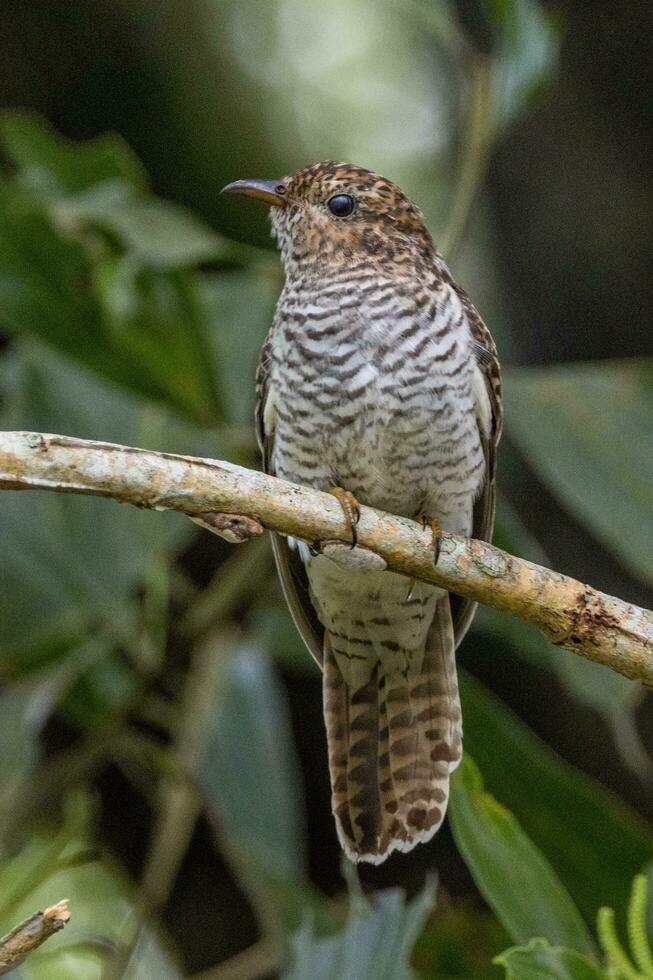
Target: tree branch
{"type": "Point", "coordinates": [26, 937]}
{"type": "Point", "coordinates": [570, 614]}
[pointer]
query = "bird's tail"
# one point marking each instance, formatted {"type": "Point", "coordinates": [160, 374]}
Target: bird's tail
{"type": "Point", "coordinates": [393, 742]}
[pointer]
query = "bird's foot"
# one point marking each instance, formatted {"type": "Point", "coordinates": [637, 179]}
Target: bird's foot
{"type": "Point", "coordinates": [350, 509]}
{"type": "Point", "coordinates": [351, 557]}
{"type": "Point", "coordinates": [427, 521]}
{"type": "Point", "coordinates": [234, 528]}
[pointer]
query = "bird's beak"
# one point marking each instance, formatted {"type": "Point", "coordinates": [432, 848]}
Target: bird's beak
{"type": "Point", "coordinates": [263, 190]}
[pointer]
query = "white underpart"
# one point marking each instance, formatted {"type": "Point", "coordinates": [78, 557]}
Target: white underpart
{"type": "Point", "coordinates": [385, 404]}
{"type": "Point", "coordinates": [375, 402]}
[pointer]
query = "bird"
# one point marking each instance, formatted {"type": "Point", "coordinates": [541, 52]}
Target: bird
{"type": "Point", "coordinates": [379, 382]}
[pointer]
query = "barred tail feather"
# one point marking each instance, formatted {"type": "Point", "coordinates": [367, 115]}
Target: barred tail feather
{"type": "Point", "coordinates": [393, 742]}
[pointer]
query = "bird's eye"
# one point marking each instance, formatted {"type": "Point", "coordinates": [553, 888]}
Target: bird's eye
{"type": "Point", "coordinates": [341, 205]}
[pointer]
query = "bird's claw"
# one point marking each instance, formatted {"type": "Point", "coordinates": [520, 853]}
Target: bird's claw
{"type": "Point", "coordinates": [427, 521]}
{"type": "Point", "coordinates": [350, 509]}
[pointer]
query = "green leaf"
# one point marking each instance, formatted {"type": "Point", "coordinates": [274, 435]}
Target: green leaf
{"type": "Point", "coordinates": [511, 873]}
{"type": "Point", "coordinates": [615, 697]}
{"type": "Point", "coordinates": [540, 961]}
{"type": "Point", "coordinates": [648, 871]}
{"type": "Point", "coordinates": [585, 430]}
{"type": "Point", "coordinates": [19, 748]}
{"type": "Point", "coordinates": [375, 944]}
{"type": "Point", "coordinates": [238, 308]}
{"type": "Point", "coordinates": [48, 392]}
{"type": "Point", "coordinates": [71, 563]}
{"type": "Point", "coordinates": [524, 55]}
{"type": "Point", "coordinates": [250, 773]}
{"type": "Point", "coordinates": [143, 327]}
{"type": "Point", "coordinates": [51, 165]}
{"type": "Point", "coordinates": [150, 959]}
{"type": "Point", "coordinates": [44, 278]}
{"type": "Point", "coordinates": [595, 842]}
{"type": "Point", "coordinates": [155, 232]}
{"type": "Point", "coordinates": [96, 267]}
{"type": "Point", "coordinates": [154, 319]}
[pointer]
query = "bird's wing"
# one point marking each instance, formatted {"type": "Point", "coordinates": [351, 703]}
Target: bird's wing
{"type": "Point", "coordinates": [489, 412]}
{"type": "Point", "coordinates": [290, 567]}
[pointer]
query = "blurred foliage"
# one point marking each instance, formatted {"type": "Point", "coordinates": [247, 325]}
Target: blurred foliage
{"type": "Point", "coordinates": [140, 653]}
{"type": "Point", "coordinates": [619, 964]}
{"type": "Point", "coordinates": [540, 961]}
{"type": "Point", "coordinates": [87, 254]}
{"type": "Point", "coordinates": [595, 844]}
{"type": "Point", "coordinates": [106, 914]}
{"type": "Point", "coordinates": [237, 770]}
{"type": "Point", "coordinates": [374, 945]}
{"type": "Point", "coordinates": [559, 420]}
{"type": "Point", "coordinates": [507, 867]}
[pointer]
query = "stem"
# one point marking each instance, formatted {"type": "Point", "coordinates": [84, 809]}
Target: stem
{"type": "Point", "coordinates": [478, 129]}
{"type": "Point", "coordinates": [26, 937]}
{"type": "Point", "coordinates": [637, 937]}
{"type": "Point", "coordinates": [612, 947]}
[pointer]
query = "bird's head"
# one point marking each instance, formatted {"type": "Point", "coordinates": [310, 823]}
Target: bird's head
{"type": "Point", "coordinates": [339, 214]}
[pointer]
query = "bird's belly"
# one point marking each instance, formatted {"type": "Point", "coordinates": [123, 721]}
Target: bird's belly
{"type": "Point", "coordinates": [408, 455]}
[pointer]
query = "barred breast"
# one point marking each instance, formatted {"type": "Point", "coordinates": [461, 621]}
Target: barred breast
{"type": "Point", "coordinates": [374, 393]}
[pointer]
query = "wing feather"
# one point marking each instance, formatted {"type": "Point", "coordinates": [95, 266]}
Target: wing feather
{"type": "Point", "coordinates": [487, 363]}
{"type": "Point", "coordinates": [290, 567]}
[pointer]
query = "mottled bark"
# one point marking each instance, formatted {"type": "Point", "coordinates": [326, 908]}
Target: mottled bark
{"type": "Point", "coordinates": [26, 937]}
{"type": "Point", "coordinates": [569, 613]}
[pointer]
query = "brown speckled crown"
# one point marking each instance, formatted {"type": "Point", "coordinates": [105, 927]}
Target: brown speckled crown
{"type": "Point", "coordinates": [385, 224]}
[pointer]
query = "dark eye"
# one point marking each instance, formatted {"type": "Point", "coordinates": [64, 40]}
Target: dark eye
{"type": "Point", "coordinates": [341, 205]}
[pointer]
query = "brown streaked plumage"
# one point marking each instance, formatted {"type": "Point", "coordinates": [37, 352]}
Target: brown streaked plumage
{"type": "Point", "coordinates": [378, 376]}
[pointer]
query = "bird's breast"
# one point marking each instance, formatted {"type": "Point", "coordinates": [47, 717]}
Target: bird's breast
{"type": "Point", "coordinates": [375, 396]}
